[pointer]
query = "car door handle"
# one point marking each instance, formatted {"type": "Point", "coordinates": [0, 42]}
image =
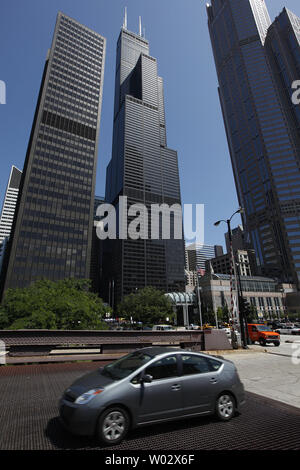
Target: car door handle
{"type": "Point", "coordinates": [176, 387]}
{"type": "Point", "coordinates": [213, 380]}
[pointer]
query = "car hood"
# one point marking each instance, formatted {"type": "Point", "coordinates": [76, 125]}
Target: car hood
{"type": "Point", "coordinates": [270, 333]}
{"type": "Point", "coordinates": [87, 382]}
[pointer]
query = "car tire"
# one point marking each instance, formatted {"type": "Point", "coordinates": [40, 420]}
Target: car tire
{"type": "Point", "coordinates": [276, 343]}
{"type": "Point", "coordinates": [225, 407]}
{"type": "Point", "coordinates": [113, 425]}
{"type": "Point", "coordinates": [262, 342]}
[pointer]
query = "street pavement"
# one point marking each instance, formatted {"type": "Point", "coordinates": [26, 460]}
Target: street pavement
{"type": "Point", "coordinates": [271, 371]}
{"type": "Point", "coordinates": [29, 415]}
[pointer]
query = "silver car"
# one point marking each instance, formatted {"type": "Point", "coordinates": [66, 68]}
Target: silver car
{"type": "Point", "coordinates": [150, 385]}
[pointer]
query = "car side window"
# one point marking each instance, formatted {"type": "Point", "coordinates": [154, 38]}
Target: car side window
{"type": "Point", "coordinates": [163, 369]}
{"type": "Point", "coordinates": [214, 365]}
{"type": "Point", "coordinates": [195, 364]}
{"type": "Point", "coordinates": [254, 328]}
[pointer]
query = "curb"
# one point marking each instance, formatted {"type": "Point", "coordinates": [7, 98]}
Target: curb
{"type": "Point", "coordinates": [233, 351]}
{"type": "Point", "coordinates": [279, 354]}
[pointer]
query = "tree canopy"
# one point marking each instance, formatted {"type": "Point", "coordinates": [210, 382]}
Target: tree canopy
{"type": "Point", "coordinates": [147, 305]}
{"type": "Point", "coordinates": [65, 304]}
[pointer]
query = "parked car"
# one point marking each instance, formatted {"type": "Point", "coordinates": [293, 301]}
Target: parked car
{"type": "Point", "coordinates": [192, 326]}
{"type": "Point", "coordinates": [263, 334]}
{"type": "Point", "coordinates": [162, 328]}
{"type": "Point", "coordinates": [150, 385]}
{"type": "Point", "coordinates": [296, 330]}
{"type": "Point", "coordinates": [288, 330]}
{"type": "Point", "coordinates": [274, 324]}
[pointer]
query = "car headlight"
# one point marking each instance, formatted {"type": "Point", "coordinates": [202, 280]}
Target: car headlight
{"type": "Point", "coordinates": [87, 396]}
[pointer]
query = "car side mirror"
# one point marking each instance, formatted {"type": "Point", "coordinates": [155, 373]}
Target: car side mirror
{"type": "Point", "coordinates": [147, 378]}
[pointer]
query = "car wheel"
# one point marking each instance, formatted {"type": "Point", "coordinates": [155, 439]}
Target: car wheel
{"type": "Point", "coordinates": [113, 426]}
{"type": "Point", "coordinates": [262, 342]}
{"type": "Point", "coordinates": [276, 343]}
{"type": "Point", "coordinates": [225, 407]}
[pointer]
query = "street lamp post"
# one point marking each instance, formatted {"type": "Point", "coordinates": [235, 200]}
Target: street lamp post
{"type": "Point", "coordinates": [282, 302]}
{"type": "Point", "coordinates": [242, 315]}
{"type": "Point", "coordinates": [199, 302]}
{"type": "Point", "coordinates": [239, 211]}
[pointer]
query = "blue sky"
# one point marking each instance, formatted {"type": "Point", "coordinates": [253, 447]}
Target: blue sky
{"type": "Point", "coordinates": [179, 39]}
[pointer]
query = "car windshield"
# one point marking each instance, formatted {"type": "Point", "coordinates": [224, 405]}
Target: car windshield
{"type": "Point", "coordinates": [263, 328]}
{"type": "Point", "coordinates": [126, 365]}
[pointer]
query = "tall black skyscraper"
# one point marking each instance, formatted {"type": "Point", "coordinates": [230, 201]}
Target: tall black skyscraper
{"type": "Point", "coordinates": [142, 168]}
{"type": "Point", "coordinates": [256, 64]}
{"type": "Point", "coordinates": [52, 232]}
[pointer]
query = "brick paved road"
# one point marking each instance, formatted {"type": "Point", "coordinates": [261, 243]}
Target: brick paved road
{"type": "Point", "coordinates": [28, 418]}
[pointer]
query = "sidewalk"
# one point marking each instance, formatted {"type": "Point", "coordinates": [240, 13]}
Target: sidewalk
{"type": "Point", "coordinates": [272, 375]}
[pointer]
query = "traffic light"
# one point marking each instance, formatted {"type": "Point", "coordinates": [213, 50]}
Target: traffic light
{"type": "Point", "coordinates": [246, 308]}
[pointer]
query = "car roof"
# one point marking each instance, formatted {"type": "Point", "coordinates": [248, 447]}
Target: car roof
{"type": "Point", "coordinates": [157, 350]}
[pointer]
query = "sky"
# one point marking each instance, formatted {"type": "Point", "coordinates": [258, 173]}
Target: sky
{"type": "Point", "coordinates": [179, 40]}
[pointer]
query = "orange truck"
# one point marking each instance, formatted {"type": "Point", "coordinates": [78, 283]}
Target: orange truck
{"type": "Point", "coordinates": [263, 334]}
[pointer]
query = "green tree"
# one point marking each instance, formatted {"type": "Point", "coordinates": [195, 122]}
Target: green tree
{"type": "Point", "coordinates": [223, 313]}
{"type": "Point", "coordinates": [147, 305]}
{"type": "Point", "coordinates": [220, 313]}
{"type": "Point", "coordinates": [65, 304]}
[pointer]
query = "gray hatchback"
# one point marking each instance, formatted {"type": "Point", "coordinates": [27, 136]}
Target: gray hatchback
{"type": "Point", "coordinates": [150, 385]}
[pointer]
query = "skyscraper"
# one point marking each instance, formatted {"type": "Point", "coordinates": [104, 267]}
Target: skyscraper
{"type": "Point", "coordinates": [8, 209]}
{"type": "Point", "coordinates": [52, 231]}
{"type": "Point", "coordinates": [197, 255]}
{"type": "Point", "coordinates": [143, 169]}
{"type": "Point", "coordinates": [97, 250]}
{"type": "Point", "coordinates": [237, 239]}
{"type": "Point", "coordinates": [262, 134]}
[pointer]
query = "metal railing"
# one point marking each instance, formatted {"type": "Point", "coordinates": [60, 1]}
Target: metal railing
{"type": "Point", "coordinates": [32, 342]}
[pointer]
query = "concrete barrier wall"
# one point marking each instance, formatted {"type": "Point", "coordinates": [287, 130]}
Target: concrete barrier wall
{"type": "Point", "coordinates": [41, 342]}
{"type": "Point", "coordinates": [33, 342]}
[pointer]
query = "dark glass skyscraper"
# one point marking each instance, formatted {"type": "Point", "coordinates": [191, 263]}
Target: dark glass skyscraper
{"type": "Point", "coordinates": [52, 232]}
{"type": "Point", "coordinates": [252, 58]}
{"type": "Point", "coordinates": [142, 168]}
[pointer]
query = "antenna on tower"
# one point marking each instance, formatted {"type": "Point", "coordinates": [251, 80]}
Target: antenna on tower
{"type": "Point", "coordinates": [140, 26]}
{"type": "Point", "coordinates": [125, 19]}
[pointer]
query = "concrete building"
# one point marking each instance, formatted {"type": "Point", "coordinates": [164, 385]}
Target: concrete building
{"type": "Point", "coordinates": [245, 261]}
{"type": "Point", "coordinates": [8, 209]}
{"type": "Point", "coordinates": [190, 280]}
{"type": "Point", "coordinates": [265, 294]}
{"type": "Point", "coordinates": [52, 232]}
